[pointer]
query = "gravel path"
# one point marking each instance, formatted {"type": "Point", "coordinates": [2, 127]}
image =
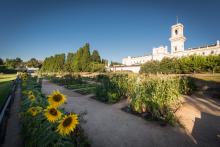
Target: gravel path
{"type": "Point", "coordinates": [13, 136]}
{"type": "Point", "coordinates": [108, 126]}
{"type": "Point", "coordinates": [201, 117]}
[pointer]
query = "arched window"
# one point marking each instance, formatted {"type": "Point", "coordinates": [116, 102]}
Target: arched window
{"type": "Point", "coordinates": [176, 32]}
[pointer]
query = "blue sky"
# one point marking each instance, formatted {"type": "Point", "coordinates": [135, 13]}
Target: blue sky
{"type": "Point", "coordinates": [41, 28]}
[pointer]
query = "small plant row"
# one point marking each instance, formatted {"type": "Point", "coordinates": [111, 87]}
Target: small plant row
{"type": "Point", "coordinates": [75, 82]}
{"type": "Point", "coordinates": [43, 121]}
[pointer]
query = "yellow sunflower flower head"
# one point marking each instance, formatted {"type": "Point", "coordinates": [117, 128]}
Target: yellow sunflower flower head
{"type": "Point", "coordinates": [52, 114]}
{"type": "Point", "coordinates": [32, 97]}
{"type": "Point", "coordinates": [33, 111]}
{"type": "Point", "coordinates": [56, 98]}
{"type": "Point", "coordinates": [67, 124]}
{"type": "Point", "coordinates": [24, 76]}
{"type": "Point", "coordinates": [30, 92]}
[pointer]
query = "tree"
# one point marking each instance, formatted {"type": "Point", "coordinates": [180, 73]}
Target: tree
{"type": "Point", "coordinates": [104, 61]}
{"type": "Point", "coordinates": [1, 61]}
{"type": "Point", "coordinates": [115, 63]}
{"type": "Point", "coordinates": [151, 67]}
{"type": "Point", "coordinates": [54, 63]}
{"type": "Point", "coordinates": [85, 59]}
{"type": "Point", "coordinates": [33, 63]}
{"type": "Point", "coordinates": [14, 63]}
{"type": "Point", "coordinates": [80, 61]}
{"type": "Point", "coordinates": [69, 62]}
{"type": "Point", "coordinates": [212, 62]}
{"type": "Point", "coordinates": [95, 57]}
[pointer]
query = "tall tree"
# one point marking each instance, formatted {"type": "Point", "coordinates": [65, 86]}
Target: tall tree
{"type": "Point", "coordinates": [69, 62]}
{"type": "Point", "coordinates": [95, 57]}
{"type": "Point", "coordinates": [85, 60]}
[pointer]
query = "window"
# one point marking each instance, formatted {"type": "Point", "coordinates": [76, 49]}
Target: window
{"type": "Point", "coordinates": [175, 48]}
{"type": "Point", "coordinates": [176, 32]}
{"type": "Point", "coordinates": [203, 53]}
{"type": "Point", "coordinates": [212, 52]}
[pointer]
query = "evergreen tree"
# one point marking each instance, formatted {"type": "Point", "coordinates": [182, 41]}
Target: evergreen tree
{"type": "Point", "coordinates": [1, 61]}
{"type": "Point", "coordinates": [80, 61]}
{"type": "Point", "coordinates": [85, 58]}
{"type": "Point", "coordinates": [95, 57]}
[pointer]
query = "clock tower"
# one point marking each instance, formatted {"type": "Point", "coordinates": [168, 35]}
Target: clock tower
{"type": "Point", "coordinates": [177, 38]}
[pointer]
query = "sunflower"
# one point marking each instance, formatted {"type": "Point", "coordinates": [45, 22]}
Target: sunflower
{"type": "Point", "coordinates": [34, 110]}
{"type": "Point", "coordinates": [67, 124]}
{"type": "Point", "coordinates": [30, 92]}
{"type": "Point", "coordinates": [24, 76]}
{"type": "Point", "coordinates": [56, 98]}
{"type": "Point", "coordinates": [32, 97]}
{"type": "Point", "coordinates": [52, 114]}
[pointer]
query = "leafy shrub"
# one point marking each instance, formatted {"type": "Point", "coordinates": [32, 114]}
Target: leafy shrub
{"type": "Point", "coordinates": [112, 87]}
{"type": "Point", "coordinates": [187, 85]}
{"type": "Point", "coordinates": [157, 96]}
{"type": "Point", "coordinates": [189, 64]}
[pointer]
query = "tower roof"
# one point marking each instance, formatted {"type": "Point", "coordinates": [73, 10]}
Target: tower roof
{"type": "Point", "coordinates": [177, 25]}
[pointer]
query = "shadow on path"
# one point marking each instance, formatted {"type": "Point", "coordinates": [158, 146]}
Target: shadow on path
{"type": "Point", "coordinates": [206, 130]}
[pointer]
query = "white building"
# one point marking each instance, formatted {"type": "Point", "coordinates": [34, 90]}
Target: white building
{"type": "Point", "coordinates": [177, 41]}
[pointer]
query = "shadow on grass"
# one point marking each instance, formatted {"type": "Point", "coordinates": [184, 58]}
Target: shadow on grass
{"type": "Point", "coordinates": [209, 88]}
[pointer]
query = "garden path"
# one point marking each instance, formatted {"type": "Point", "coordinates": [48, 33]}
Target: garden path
{"type": "Point", "coordinates": [200, 114]}
{"type": "Point", "coordinates": [109, 126]}
{"type": "Point", "coordinates": [13, 137]}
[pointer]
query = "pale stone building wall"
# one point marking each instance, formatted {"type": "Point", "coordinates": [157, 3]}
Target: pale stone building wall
{"type": "Point", "coordinates": [177, 41]}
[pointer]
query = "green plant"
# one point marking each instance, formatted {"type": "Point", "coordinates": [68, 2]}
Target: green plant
{"type": "Point", "coordinates": [37, 130]}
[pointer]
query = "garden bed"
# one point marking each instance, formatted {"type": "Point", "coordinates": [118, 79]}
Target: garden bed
{"type": "Point", "coordinates": [145, 115]}
{"type": "Point", "coordinates": [159, 95]}
{"type": "Point", "coordinates": [43, 121]}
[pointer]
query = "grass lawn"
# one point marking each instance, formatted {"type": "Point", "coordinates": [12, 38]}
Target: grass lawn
{"type": "Point", "coordinates": [208, 77]}
{"type": "Point", "coordinates": [5, 85]}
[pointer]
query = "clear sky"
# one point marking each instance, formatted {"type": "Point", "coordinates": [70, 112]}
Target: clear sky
{"type": "Point", "coordinates": [116, 28]}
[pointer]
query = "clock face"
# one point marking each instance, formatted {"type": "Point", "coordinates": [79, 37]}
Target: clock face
{"type": "Point", "coordinates": [176, 32]}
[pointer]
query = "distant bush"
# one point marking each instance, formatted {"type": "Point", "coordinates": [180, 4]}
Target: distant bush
{"type": "Point", "coordinates": [183, 65]}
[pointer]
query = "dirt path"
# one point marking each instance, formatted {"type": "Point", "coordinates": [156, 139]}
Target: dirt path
{"type": "Point", "coordinates": [201, 117]}
{"type": "Point", "coordinates": [108, 126]}
{"type": "Point", "coordinates": [13, 136]}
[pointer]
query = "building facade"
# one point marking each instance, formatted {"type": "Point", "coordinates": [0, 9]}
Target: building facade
{"type": "Point", "coordinates": [177, 41]}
